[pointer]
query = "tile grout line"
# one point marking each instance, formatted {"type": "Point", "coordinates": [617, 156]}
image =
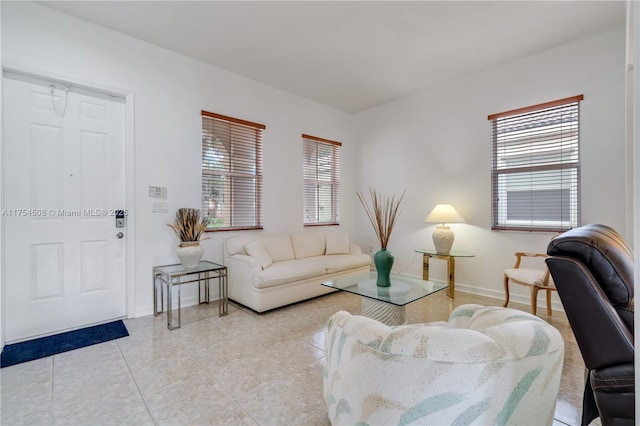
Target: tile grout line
{"type": "Point", "coordinates": [153, 419]}
{"type": "Point", "coordinates": [51, 411]}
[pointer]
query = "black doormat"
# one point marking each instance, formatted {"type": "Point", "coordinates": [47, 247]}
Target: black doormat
{"type": "Point", "coordinates": [30, 350]}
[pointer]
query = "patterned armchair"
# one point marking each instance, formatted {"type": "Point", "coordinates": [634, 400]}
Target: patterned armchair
{"type": "Point", "coordinates": [486, 365]}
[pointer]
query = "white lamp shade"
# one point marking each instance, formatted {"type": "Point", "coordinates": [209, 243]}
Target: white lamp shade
{"type": "Point", "coordinates": [444, 213]}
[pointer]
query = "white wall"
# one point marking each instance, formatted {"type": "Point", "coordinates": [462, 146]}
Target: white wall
{"type": "Point", "coordinates": [633, 44]}
{"type": "Point", "coordinates": [436, 145]}
{"type": "Point", "coordinates": [170, 90]}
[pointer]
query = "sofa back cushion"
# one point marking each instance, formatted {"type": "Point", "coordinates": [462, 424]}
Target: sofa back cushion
{"type": "Point", "coordinates": [337, 243]}
{"type": "Point", "coordinates": [308, 244]}
{"type": "Point", "coordinates": [279, 247]}
{"type": "Point", "coordinates": [257, 250]}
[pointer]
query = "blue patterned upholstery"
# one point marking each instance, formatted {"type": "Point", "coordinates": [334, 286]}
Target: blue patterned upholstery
{"type": "Point", "coordinates": [486, 365]}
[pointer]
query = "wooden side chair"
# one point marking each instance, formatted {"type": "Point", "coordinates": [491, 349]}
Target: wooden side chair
{"type": "Point", "coordinates": [535, 278]}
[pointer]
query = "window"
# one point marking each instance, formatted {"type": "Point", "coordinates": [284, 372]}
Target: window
{"type": "Point", "coordinates": [321, 174]}
{"type": "Point", "coordinates": [535, 167]}
{"type": "Point", "coordinates": [231, 172]}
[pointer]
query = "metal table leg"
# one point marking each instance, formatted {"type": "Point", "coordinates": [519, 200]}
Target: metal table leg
{"type": "Point", "coordinates": [223, 306]}
{"type": "Point", "coordinates": [169, 305]}
{"type": "Point", "coordinates": [155, 295]}
{"type": "Point", "coordinates": [451, 266]}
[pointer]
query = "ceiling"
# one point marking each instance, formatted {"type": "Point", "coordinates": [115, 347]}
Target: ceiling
{"type": "Point", "coordinates": [352, 55]}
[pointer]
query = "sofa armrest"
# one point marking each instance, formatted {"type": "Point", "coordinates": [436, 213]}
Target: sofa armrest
{"type": "Point", "coordinates": [241, 270]}
{"type": "Point", "coordinates": [243, 261]}
{"type": "Point", "coordinates": [354, 249]}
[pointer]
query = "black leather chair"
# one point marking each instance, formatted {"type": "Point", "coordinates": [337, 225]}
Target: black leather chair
{"type": "Point", "coordinates": [592, 267]}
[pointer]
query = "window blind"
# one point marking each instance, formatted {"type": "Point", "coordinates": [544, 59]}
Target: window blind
{"type": "Point", "coordinates": [231, 172]}
{"type": "Point", "coordinates": [535, 167]}
{"type": "Point", "coordinates": [321, 176]}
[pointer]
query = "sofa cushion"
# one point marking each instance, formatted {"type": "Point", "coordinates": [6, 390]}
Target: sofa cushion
{"type": "Point", "coordinates": [257, 250]}
{"type": "Point", "coordinates": [287, 271]}
{"type": "Point", "coordinates": [279, 247]}
{"type": "Point", "coordinates": [341, 262]}
{"type": "Point", "coordinates": [308, 244]}
{"type": "Point", "coordinates": [236, 245]}
{"type": "Point", "coordinates": [337, 243]}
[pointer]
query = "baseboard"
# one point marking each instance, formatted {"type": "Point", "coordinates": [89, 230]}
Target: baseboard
{"type": "Point", "coordinates": [143, 311]}
{"type": "Point", "coordinates": [499, 294]}
{"type": "Point", "coordinates": [461, 287]}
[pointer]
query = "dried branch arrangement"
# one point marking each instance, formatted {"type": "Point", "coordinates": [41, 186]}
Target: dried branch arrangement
{"type": "Point", "coordinates": [382, 214]}
{"type": "Point", "coordinates": [189, 224]}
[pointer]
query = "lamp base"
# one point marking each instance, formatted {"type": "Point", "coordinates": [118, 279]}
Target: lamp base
{"type": "Point", "coordinates": [443, 239]}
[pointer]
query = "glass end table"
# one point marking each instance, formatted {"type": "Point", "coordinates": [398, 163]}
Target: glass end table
{"type": "Point", "coordinates": [176, 275]}
{"type": "Point", "coordinates": [451, 265]}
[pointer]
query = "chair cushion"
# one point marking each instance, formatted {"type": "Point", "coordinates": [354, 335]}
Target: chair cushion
{"type": "Point", "coordinates": [526, 275]}
{"type": "Point", "coordinates": [435, 343]}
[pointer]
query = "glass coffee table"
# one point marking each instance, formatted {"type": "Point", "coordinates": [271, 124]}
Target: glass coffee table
{"type": "Point", "coordinates": [386, 304]}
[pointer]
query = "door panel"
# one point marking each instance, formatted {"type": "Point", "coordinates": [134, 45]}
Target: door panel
{"type": "Point", "coordinates": [63, 179]}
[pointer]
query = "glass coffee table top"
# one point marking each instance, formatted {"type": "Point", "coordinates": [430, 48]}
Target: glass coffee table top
{"type": "Point", "coordinates": [403, 289]}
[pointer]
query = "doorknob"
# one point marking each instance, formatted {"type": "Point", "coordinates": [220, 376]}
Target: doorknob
{"type": "Point", "coordinates": [119, 235]}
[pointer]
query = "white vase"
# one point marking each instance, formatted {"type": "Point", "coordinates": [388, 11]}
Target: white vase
{"type": "Point", "coordinates": [190, 253]}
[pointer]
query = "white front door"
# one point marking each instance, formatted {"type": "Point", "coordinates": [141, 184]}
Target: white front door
{"type": "Point", "coordinates": [63, 179]}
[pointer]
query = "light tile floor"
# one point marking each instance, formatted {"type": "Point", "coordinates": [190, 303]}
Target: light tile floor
{"type": "Point", "coordinates": [240, 369]}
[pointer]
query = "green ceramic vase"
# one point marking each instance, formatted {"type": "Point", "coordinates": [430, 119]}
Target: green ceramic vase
{"type": "Point", "coordinates": [384, 262]}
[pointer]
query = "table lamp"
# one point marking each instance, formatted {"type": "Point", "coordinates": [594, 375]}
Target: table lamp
{"type": "Point", "coordinates": [443, 235]}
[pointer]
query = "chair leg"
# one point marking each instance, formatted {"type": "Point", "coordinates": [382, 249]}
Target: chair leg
{"type": "Point", "coordinates": [506, 291]}
{"type": "Point", "coordinates": [534, 299]}
{"type": "Point", "coordinates": [549, 303]}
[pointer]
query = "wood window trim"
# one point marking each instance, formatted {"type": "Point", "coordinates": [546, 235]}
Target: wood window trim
{"type": "Point", "coordinates": [257, 129]}
{"type": "Point", "coordinates": [233, 120]}
{"type": "Point", "coordinates": [543, 105]}
{"type": "Point", "coordinates": [317, 139]}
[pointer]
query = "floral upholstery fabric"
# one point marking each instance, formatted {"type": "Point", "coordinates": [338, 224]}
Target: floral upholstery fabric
{"type": "Point", "coordinates": [486, 365]}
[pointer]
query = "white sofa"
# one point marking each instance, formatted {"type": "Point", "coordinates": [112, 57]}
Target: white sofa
{"type": "Point", "coordinates": [485, 366]}
{"type": "Point", "coordinates": [269, 271]}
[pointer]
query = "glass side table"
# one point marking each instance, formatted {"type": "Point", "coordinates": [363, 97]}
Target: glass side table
{"type": "Point", "coordinates": [175, 275]}
{"type": "Point", "coordinates": [451, 265]}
